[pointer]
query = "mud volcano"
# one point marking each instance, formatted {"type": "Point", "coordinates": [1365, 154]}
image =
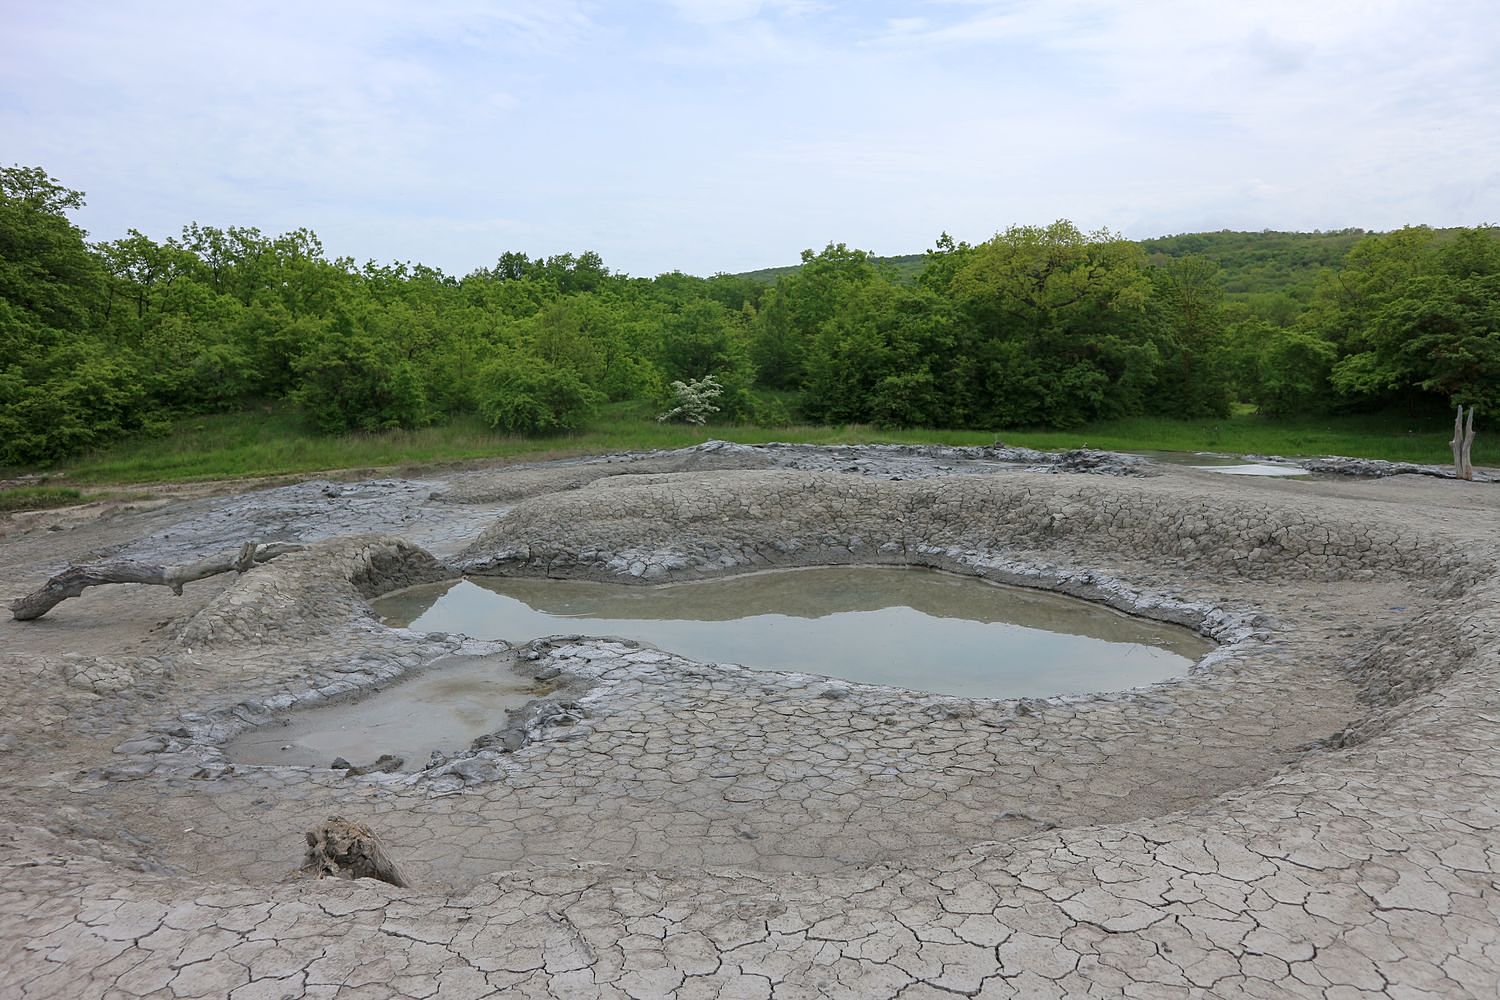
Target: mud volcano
{"type": "Point", "coordinates": [1307, 812]}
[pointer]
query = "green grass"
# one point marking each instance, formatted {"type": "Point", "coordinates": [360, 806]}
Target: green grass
{"type": "Point", "coordinates": [38, 498]}
{"type": "Point", "coordinates": [1394, 438]}
{"type": "Point", "coordinates": [276, 442]}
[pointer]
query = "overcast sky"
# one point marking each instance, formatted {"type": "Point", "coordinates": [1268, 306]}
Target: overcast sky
{"type": "Point", "coordinates": [708, 135]}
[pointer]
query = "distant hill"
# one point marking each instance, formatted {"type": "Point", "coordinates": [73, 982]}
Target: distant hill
{"type": "Point", "coordinates": [1272, 274]}
{"type": "Point", "coordinates": [1251, 263]}
{"type": "Point", "coordinates": [1260, 262]}
{"type": "Point", "coordinates": [906, 266]}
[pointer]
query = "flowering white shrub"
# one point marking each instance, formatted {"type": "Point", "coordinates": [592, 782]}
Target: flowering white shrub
{"type": "Point", "coordinates": [694, 400]}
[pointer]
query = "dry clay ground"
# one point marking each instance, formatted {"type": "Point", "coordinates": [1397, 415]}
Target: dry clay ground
{"type": "Point", "coordinates": [1311, 812]}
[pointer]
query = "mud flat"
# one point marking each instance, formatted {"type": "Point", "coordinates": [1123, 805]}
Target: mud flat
{"type": "Point", "coordinates": [1309, 811]}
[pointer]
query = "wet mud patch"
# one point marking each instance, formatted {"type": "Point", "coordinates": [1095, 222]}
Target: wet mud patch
{"type": "Point", "coordinates": [441, 711]}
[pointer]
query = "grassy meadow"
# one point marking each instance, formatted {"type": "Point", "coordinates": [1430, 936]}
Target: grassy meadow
{"type": "Point", "coordinates": [275, 441]}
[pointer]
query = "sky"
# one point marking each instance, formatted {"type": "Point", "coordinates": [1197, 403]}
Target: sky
{"type": "Point", "coordinates": [726, 135]}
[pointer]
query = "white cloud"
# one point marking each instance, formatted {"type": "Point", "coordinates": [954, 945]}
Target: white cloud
{"type": "Point", "coordinates": [724, 134]}
{"type": "Point", "coordinates": [724, 11]}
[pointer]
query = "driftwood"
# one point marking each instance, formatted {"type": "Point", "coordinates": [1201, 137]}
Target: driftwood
{"type": "Point", "coordinates": [76, 579]}
{"type": "Point", "coordinates": [1463, 444]}
{"type": "Point", "coordinates": [341, 849]}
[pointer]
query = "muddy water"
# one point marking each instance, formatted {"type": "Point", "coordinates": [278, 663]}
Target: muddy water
{"type": "Point", "coordinates": [443, 708]}
{"type": "Point", "coordinates": [910, 628]}
{"type": "Point", "coordinates": [1228, 465]}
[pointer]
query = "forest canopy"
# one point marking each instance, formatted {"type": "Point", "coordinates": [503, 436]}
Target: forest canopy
{"type": "Point", "coordinates": [1037, 327]}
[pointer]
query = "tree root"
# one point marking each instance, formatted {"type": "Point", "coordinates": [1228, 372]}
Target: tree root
{"type": "Point", "coordinates": [338, 848]}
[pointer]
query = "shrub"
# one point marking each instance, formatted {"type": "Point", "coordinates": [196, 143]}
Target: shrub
{"type": "Point", "coordinates": [528, 396]}
{"type": "Point", "coordinates": [355, 382]}
{"type": "Point", "coordinates": [694, 399]}
{"type": "Point", "coordinates": [910, 399]}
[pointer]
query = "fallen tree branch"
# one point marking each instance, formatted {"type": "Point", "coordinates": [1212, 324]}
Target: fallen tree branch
{"type": "Point", "coordinates": [76, 579]}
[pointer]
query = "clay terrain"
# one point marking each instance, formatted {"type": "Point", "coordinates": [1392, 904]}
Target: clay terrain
{"type": "Point", "coordinates": [1312, 811]}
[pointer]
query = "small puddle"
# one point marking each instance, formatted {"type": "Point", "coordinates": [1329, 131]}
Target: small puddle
{"type": "Point", "coordinates": [1257, 469]}
{"type": "Point", "coordinates": [1229, 466]}
{"type": "Point", "coordinates": [443, 708]}
{"type": "Point", "coordinates": [910, 628]}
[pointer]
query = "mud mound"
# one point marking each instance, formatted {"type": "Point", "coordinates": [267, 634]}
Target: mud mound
{"type": "Point", "coordinates": [679, 527]}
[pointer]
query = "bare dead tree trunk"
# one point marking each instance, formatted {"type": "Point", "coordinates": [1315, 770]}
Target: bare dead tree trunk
{"type": "Point", "coordinates": [1463, 444]}
{"type": "Point", "coordinates": [338, 848]}
{"type": "Point", "coordinates": [1468, 448]}
{"type": "Point", "coordinates": [76, 579]}
{"type": "Point", "coordinates": [1457, 442]}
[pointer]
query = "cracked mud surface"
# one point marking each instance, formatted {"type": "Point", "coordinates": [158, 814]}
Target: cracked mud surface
{"type": "Point", "coordinates": [1312, 812]}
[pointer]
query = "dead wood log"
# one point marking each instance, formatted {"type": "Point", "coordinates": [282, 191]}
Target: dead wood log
{"type": "Point", "coordinates": [338, 848]}
{"type": "Point", "coordinates": [76, 579]}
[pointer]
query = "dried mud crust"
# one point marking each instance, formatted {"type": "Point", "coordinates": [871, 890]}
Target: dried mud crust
{"type": "Point", "coordinates": [1310, 813]}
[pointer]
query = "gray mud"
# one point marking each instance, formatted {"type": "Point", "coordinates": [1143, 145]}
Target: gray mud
{"type": "Point", "coordinates": [1309, 812]}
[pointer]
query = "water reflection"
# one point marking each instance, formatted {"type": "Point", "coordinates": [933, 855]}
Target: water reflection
{"type": "Point", "coordinates": [910, 628]}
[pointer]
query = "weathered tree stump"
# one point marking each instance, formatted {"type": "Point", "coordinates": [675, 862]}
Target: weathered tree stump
{"type": "Point", "coordinates": [76, 579]}
{"type": "Point", "coordinates": [1463, 444]}
{"type": "Point", "coordinates": [338, 848]}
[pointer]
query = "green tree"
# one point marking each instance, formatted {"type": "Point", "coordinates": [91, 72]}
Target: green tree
{"type": "Point", "coordinates": [704, 338]}
{"type": "Point", "coordinates": [526, 395]}
{"type": "Point", "coordinates": [874, 360]}
{"type": "Point", "coordinates": [1414, 316]}
{"type": "Point", "coordinates": [62, 387]}
{"type": "Point", "coordinates": [791, 313]}
{"type": "Point", "coordinates": [589, 336]}
{"type": "Point", "coordinates": [1192, 378]}
{"type": "Point", "coordinates": [1441, 336]}
{"type": "Point", "coordinates": [1294, 368]}
{"type": "Point", "coordinates": [1053, 326]}
{"type": "Point", "coordinates": [353, 379]}
{"type": "Point", "coordinates": [47, 273]}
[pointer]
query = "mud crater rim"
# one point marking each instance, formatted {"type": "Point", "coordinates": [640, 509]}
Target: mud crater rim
{"type": "Point", "coordinates": [1226, 634]}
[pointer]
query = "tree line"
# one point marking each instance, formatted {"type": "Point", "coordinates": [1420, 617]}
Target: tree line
{"type": "Point", "coordinates": [1039, 326]}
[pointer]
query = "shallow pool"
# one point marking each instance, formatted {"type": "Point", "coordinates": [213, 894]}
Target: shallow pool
{"type": "Point", "coordinates": [443, 708]}
{"type": "Point", "coordinates": [1226, 464]}
{"type": "Point", "coordinates": [910, 628]}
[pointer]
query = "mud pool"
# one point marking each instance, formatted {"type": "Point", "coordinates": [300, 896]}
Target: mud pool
{"type": "Point", "coordinates": [443, 709]}
{"type": "Point", "coordinates": [909, 628]}
{"type": "Point", "coordinates": [1227, 464]}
